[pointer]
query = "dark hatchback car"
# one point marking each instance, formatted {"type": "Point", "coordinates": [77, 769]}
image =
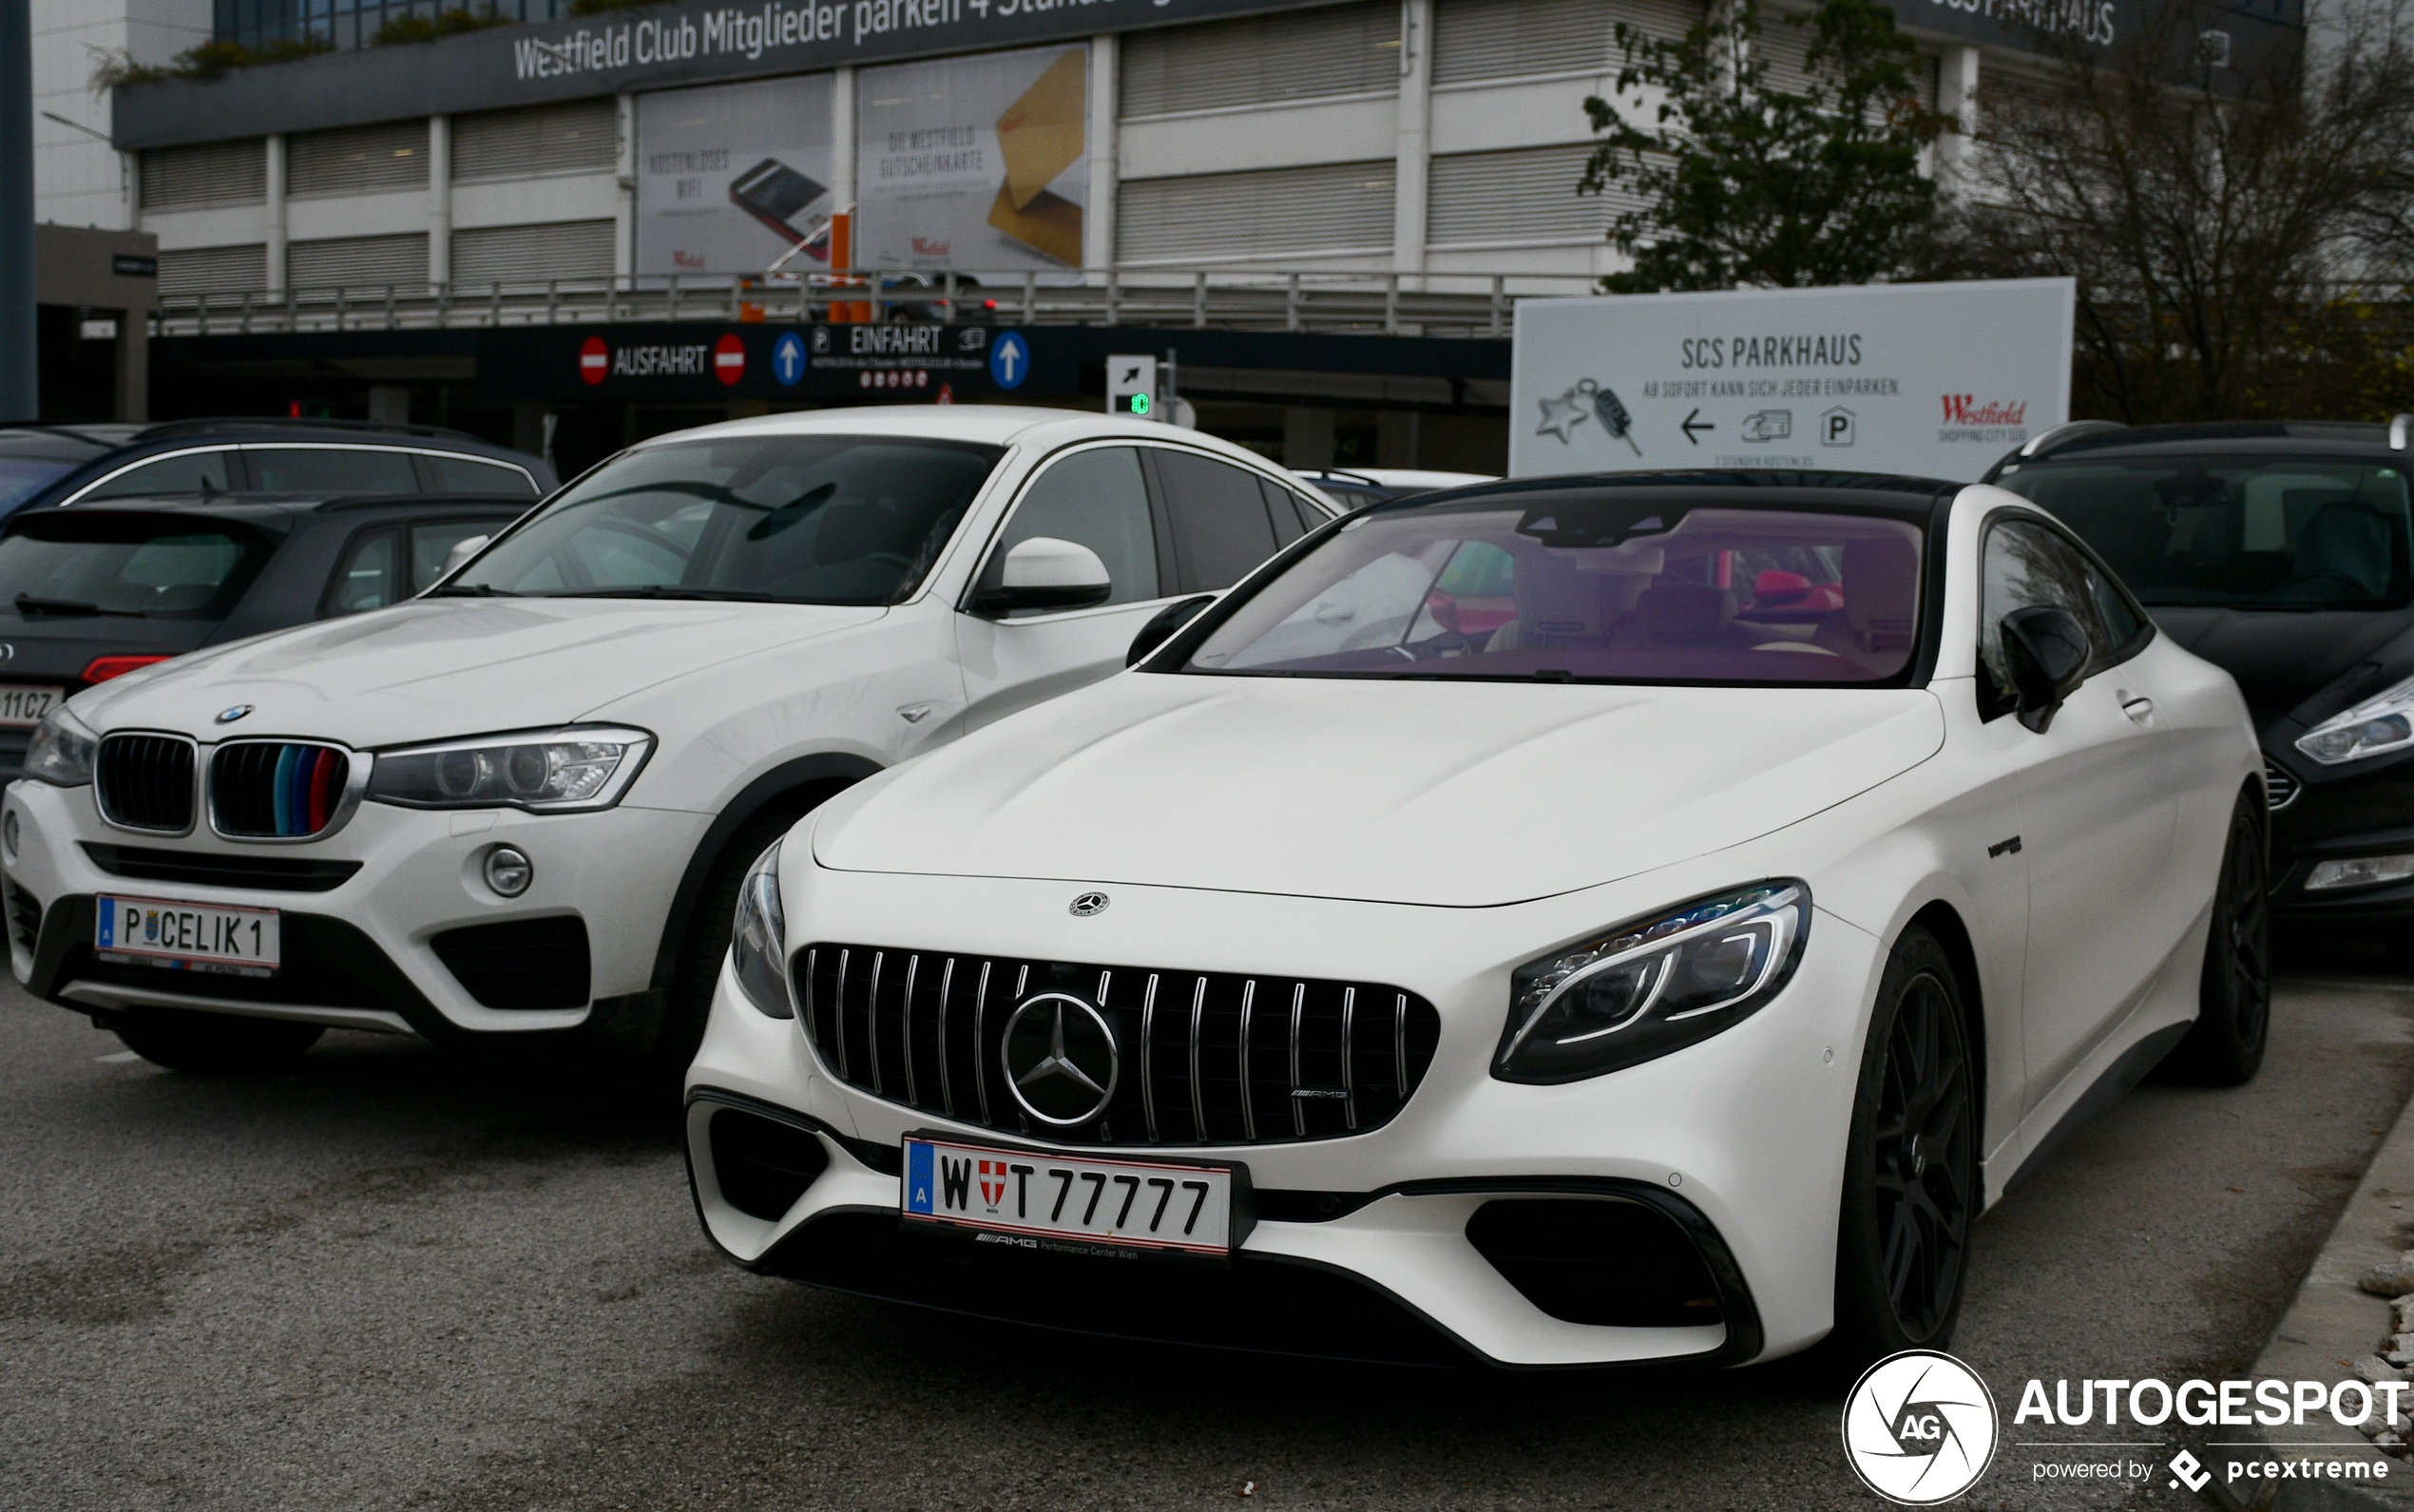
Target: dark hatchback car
{"type": "Point", "coordinates": [47, 464]}
{"type": "Point", "coordinates": [97, 591]}
{"type": "Point", "coordinates": [2283, 553]}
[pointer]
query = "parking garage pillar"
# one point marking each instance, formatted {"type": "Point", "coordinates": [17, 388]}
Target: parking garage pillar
{"type": "Point", "coordinates": [132, 399]}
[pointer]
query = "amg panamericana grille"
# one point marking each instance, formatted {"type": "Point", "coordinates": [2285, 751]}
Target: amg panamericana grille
{"type": "Point", "coordinates": [1206, 1058]}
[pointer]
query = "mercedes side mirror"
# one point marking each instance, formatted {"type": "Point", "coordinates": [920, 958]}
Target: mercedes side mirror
{"type": "Point", "coordinates": [2048, 653]}
{"type": "Point", "coordinates": [1163, 624]}
{"type": "Point", "coordinates": [1043, 573]}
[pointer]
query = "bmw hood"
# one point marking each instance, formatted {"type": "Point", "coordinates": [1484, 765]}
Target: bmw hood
{"type": "Point", "coordinates": [437, 668]}
{"type": "Point", "coordinates": [1452, 795]}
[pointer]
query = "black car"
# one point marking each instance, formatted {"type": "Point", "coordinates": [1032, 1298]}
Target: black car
{"type": "Point", "coordinates": [2283, 553]}
{"type": "Point", "coordinates": [97, 591]}
{"type": "Point", "coordinates": [46, 464]}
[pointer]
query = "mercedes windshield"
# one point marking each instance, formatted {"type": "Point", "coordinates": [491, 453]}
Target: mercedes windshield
{"type": "Point", "coordinates": [1591, 584]}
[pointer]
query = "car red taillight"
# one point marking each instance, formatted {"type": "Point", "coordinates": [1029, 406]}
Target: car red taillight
{"type": "Point", "coordinates": [102, 669]}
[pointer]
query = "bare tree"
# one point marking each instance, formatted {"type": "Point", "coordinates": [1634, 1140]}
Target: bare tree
{"type": "Point", "coordinates": [2240, 229]}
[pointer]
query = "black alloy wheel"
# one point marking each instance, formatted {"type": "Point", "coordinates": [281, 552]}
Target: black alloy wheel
{"type": "Point", "coordinates": [1911, 1176]}
{"type": "Point", "coordinates": [2234, 1015]}
{"type": "Point", "coordinates": [1923, 1145]}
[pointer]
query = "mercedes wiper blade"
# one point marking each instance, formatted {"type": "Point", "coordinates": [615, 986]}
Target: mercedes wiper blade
{"type": "Point", "coordinates": [27, 604]}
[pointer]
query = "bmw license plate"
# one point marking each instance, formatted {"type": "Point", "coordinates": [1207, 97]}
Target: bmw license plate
{"type": "Point", "coordinates": [185, 936]}
{"type": "Point", "coordinates": [1030, 1200]}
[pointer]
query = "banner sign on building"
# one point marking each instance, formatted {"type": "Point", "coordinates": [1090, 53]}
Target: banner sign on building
{"type": "Point", "coordinates": [1934, 380]}
{"type": "Point", "coordinates": [900, 363]}
{"type": "Point", "coordinates": [973, 163]}
{"type": "Point", "coordinates": [653, 47]}
{"type": "Point", "coordinates": [731, 177]}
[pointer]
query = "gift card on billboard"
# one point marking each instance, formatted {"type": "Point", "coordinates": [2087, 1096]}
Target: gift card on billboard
{"type": "Point", "coordinates": [1048, 224]}
{"type": "Point", "coordinates": [1040, 133]}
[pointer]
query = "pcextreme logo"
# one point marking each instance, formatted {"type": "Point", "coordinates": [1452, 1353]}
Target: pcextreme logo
{"type": "Point", "coordinates": [1920, 1427]}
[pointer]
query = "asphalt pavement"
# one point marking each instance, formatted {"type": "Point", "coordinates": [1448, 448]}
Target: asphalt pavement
{"type": "Point", "coordinates": [397, 1278]}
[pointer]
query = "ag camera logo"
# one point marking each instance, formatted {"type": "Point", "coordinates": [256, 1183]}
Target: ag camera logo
{"type": "Point", "coordinates": [1920, 1427]}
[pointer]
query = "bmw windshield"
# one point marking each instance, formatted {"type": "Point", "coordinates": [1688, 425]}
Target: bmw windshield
{"type": "Point", "coordinates": [2238, 532]}
{"type": "Point", "coordinates": [1590, 585]}
{"type": "Point", "coordinates": [792, 519]}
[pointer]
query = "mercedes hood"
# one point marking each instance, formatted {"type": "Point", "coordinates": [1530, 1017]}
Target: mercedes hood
{"type": "Point", "coordinates": [437, 668]}
{"type": "Point", "coordinates": [1455, 794]}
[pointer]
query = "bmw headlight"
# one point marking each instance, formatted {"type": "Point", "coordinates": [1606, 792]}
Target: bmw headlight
{"type": "Point", "coordinates": [61, 750]}
{"type": "Point", "coordinates": [2375, 727]}
{"type": "Point", "coordinates": [1658, 984]}
{"type": "Point", "coordinates": [758, 944]}
{"type": "Point", "coordinates": [551, 772]}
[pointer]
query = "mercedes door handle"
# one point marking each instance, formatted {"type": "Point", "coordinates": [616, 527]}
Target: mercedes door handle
{"type": "Point", "coordinates": [2138, 709]}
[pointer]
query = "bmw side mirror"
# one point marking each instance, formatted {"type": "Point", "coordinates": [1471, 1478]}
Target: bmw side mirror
{"type": "Point", "coordinates": [2048, 653]}
{"type": "Point", "coordinates": [1163, 624]}
{"type": "Point", "coordinates": [1043, 573]}
{"type": "Point", "coordinates": [461, 552]}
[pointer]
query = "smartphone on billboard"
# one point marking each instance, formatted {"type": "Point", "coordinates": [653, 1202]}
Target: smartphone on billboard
{"type": "Point", "coordinates": [777, 195]}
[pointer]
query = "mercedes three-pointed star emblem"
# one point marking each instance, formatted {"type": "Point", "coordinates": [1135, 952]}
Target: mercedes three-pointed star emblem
{"type": "Point", "coordinates": [1061, 1063]}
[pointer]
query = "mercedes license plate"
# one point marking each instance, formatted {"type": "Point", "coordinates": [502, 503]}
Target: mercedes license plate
{"type": "Point", "coordinates": [185, 936]}
{"type": "Point", "coordinates": [1035, 1202]}
{"type": "Point", "coordinates": [22, 707]}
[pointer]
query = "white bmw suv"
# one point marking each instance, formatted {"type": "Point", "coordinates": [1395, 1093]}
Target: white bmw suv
{"type": "Point", "coordinates": [525, 802]}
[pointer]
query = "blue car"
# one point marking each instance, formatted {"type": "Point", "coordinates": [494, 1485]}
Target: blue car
{"type": "Point", "coordinates": [42, 466]}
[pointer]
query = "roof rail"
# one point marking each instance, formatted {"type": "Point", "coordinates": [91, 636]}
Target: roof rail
{"type": "Point", "coordinates": [283, 422]}
{"type": "Point", "coordinates": [2400, 429]}
{"type": "Point", "coordinates": [2068, 431]}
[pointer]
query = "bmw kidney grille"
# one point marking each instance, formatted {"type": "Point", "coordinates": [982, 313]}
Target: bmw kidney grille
{"type": "Point", "coordinates": [145, 782]}
{"type": "Point", "coordinates": [1099, 1055]}
{"type": "Point", "coordinates": [276, 790]}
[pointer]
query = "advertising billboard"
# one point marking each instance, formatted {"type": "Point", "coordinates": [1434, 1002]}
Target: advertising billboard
{"type": "Point", "coordinates": [977, 163]}
{"type": "Point", "coordinates": [1932, 380]}
{"type": "Point", "coordinates": [730, 177]}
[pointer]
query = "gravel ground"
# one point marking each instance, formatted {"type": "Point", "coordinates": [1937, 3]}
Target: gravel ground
{"type": "Point", "coordinates": [395, 1278]}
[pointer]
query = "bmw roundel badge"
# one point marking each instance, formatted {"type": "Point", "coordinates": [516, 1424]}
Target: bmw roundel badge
{"type": "Point", "coordinates": [230, 715]}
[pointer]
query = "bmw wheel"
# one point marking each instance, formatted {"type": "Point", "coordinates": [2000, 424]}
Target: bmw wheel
{"type": "Point", "coordinates": [214, 1044]}
{"type": "Point", "coordinates": [2234, 1017]}
{"type": "Point", "coordinates": [1911, 1176]}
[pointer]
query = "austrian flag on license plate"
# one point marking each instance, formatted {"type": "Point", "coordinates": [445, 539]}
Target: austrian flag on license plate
{"type": "Point", "coordinates": [1038, 1201]}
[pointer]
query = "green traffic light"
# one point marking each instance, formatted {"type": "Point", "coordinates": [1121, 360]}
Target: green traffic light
{"type": "Point", "coordinates": [1139, 404]}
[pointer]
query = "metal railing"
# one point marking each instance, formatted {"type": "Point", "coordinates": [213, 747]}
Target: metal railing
{"type": "Point", "coordinates": [1431, 304]}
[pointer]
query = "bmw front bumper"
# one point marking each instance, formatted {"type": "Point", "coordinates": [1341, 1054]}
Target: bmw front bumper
{"type": "Point", "coordinates": [387, 922]}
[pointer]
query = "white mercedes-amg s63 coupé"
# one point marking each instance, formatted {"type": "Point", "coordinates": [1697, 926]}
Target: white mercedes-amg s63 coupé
{"type": "Point", "coordinates": [1559, 922]}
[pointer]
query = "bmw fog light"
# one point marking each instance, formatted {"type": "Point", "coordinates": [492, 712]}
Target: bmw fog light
{"type": "Point", "coordinates": [508, 870]}
{"type": "Point", "coordinates": [1647, 988]}
{"type": "Point", "coordinates": [759, 942]}
{"type": "Point", "coordinates": [2363, 872]}
{"type": "Point", "coordinates": [9, 838]}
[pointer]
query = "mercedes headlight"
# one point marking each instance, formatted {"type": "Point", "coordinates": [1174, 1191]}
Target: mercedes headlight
{"type": "Point", "coordinates": [552, 772]}
{"type": "Point", "coordinates": [1652, 987]}
{"type": "Point", "coordinates": [2375, 727]}
{"type": "Point", "coordinates": [61, 750]}
{"type": "Point", "coordinates": [759, 943]}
